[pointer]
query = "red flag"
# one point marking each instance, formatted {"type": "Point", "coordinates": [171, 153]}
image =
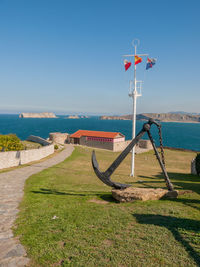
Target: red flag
{"type": "Point", "coordinates": [127, 64]}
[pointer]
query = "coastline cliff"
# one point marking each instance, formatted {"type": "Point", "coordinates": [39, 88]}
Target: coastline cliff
{"type": "Point", "coordinates": [38, 115]}
{"type": "Point", "coordinates": [160, 117]}
{"type": "Point", "coordinates": [124, 117]}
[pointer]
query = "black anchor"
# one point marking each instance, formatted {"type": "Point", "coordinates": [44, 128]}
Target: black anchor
{"type": "Point", "coordinates": [105, 176]}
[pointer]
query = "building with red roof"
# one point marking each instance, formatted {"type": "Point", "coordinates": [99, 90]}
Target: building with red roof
{"type": "Point", "coordinates": [98, 139]}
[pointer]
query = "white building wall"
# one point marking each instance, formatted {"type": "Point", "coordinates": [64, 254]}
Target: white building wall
{"type": "Point", "coordinates": [121, 139]}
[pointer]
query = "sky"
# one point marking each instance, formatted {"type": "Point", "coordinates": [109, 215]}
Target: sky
{"type": "Point", "coordinates": [67, 56]}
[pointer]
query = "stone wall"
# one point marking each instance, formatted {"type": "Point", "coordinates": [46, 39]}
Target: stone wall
{"type": "Point", "coordinates": [145, 144]}
{"type": "Point", "coordinates": [60, 138]}
{"type": "Point", "coordinates": [120, 146]}
{"type": "Point", "coordinates": [15, 158]}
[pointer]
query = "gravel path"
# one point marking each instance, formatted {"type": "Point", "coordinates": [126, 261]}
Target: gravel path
{"type": "Point", "coordinates": [12, 253]}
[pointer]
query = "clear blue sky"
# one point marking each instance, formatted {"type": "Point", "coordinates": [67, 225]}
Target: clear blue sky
{"type": "Point", "coordinates": [66, 56]}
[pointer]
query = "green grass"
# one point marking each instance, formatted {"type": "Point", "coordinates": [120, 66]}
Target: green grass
{"type": "Point", "coordinates": [30, 144]}
{"type": "Point", "coordinates": [92, 229]}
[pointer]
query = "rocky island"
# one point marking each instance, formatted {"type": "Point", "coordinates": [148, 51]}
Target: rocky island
{"type": "Point", "coordinates": [160, 117]}
{"type": "Point", "coordinates": [124, 117]}
{"type": "Point", "coordinates": [38, 115]}
{"type": "Point", "coordinates": [73, 117]}
{"type": "Point", "coordinates": [84, 117]}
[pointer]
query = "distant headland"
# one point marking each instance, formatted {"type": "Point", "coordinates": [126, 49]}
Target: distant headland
{"type": "Point", "coordinates": [162, 117]}
{"type": "Point", "coordinates": [38, 115]}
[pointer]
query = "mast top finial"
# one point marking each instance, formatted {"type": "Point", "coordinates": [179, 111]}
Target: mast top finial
{"type": "Point", "coordinates": [135, 42]}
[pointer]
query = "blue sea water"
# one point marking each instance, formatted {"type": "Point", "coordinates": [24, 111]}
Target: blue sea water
{"type": "Point", "coordinates": [178, 135]}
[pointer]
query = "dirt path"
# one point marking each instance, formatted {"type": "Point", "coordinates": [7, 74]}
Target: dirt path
{"type": "Point", "coordinates": [12, 253]}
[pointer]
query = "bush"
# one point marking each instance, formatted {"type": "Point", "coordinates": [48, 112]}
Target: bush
{"type": "Point", "coordinates": [10, 142]}
{"type": "Point", "coordinates": [55, 146]}
{"type": "Point", "coordinates": [197, 163]}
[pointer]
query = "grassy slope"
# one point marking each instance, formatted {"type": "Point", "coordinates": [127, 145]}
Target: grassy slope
{"type": "Point", "coordinates": [91, 229]}
{"type": "Point", "coordinates": [31, 145]}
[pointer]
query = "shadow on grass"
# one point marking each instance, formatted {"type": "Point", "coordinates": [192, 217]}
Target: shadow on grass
{"type": "Point", "coordinates": [179, 180]}
{"type": "Point", "coordinates": [108, 198]}
{"type": "Point", "coordinates": [147, 177]}
{"type": "Point", "coordinates": [174, 224]}
{"type": "Point", "coordinates": [184, 181]}
{"type": "Point", "coordinates": [193, 203]}
{"type": "Point", "coordinates": [105, 196]}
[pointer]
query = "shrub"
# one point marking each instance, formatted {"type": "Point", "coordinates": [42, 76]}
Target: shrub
{"type": "Point", "coordinates": [197, 163]}
{"type": "Point", "coordinates": [10, 142]}
{"type": "Point", "coordinates": [55, 146]}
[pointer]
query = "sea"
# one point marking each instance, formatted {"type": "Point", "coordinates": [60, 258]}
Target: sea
{"type": "Point", "coordinates": [176, 135]}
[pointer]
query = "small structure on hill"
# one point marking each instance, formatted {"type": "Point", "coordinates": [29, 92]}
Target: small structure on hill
{"type": "Point", "coordinates": [193, 167]}
{"type": "Point", "coordinates": [60, 138]}
{"type": "Point", "coordinates": [98, 139]}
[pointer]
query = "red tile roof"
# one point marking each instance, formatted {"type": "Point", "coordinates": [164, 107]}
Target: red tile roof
{"type": "Point", "coordinates": [80, 133]}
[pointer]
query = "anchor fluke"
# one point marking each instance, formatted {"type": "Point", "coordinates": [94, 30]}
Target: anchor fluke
{"type": "Point", "coordinates": [104, 177]}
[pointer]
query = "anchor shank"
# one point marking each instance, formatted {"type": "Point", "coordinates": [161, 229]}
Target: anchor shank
{"type": "Point", "coordinates": [122, 156]}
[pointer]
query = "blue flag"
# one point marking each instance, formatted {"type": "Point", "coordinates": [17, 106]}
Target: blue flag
{"type": "Point", "coordinates": [150, 63]}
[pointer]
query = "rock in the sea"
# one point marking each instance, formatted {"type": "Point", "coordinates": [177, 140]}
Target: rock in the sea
{"type": "Point", "coordinates": [130, 194]}
{"type": "Point", "coordinates": [38, 115]}
{"type": "Point", "coordinates": [73, 117]}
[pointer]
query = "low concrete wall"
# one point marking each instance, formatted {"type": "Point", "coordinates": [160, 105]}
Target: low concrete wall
{"type": "Point", "coordinates": [15, 158]}
{"type": "Point", "coordinates": [145, 144]}
{"type": "Point", "coordinates": [9, 159]}
{"type": "Point", "coordinates": [120, 146]}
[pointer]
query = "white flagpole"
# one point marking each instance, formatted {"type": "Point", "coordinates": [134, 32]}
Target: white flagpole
{"type": "Point", "coordinates": [134, 94]}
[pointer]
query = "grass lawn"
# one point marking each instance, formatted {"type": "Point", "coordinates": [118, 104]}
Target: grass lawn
{"type": "Point", "coordinates": [31, 145]}
{"type": "Point", "coordinates": [68, 216]}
